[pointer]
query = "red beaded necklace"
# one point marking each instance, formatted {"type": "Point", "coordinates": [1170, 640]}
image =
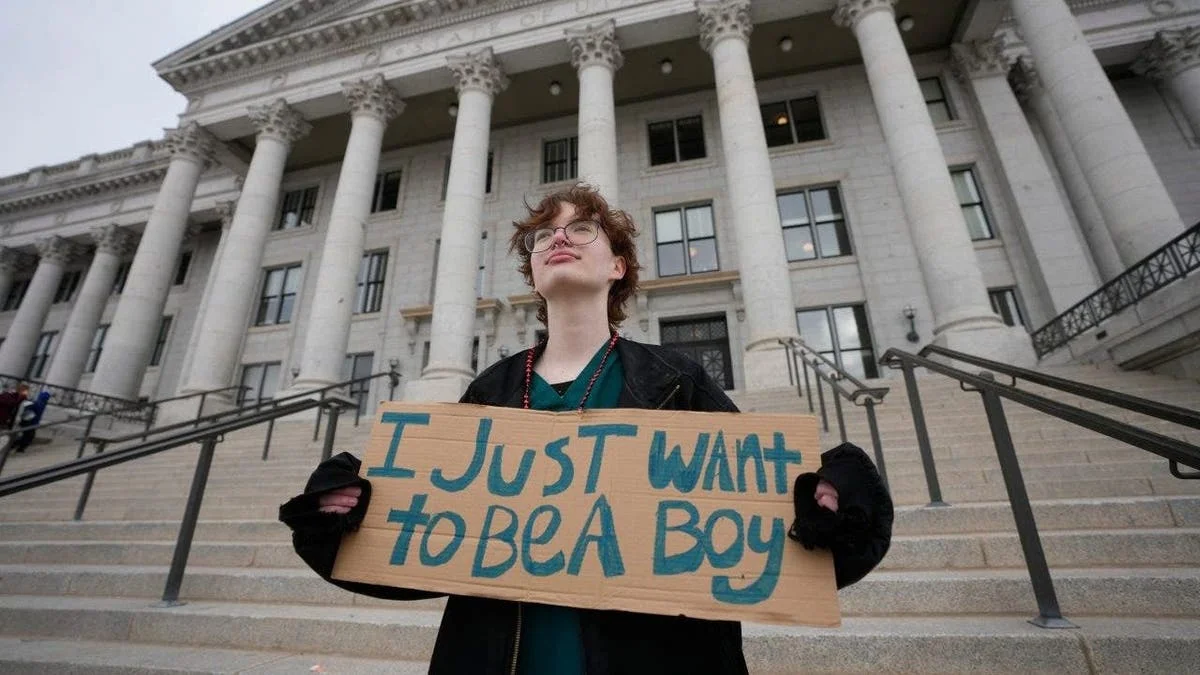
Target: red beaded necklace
{"type": "Point", "coordinates": [531, 356]}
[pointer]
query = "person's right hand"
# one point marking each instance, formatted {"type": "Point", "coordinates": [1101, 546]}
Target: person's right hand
{"type": "Point", "coordinates": [340, 500]}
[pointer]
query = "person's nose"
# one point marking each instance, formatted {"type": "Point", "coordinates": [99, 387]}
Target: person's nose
{"type": "Point", "coordinates": [560, 237]}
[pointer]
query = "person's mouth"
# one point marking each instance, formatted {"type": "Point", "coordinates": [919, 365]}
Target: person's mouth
{"type": "Point", "coordinates": [560, 256]}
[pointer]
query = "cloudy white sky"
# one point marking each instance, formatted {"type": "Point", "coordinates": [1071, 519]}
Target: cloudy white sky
{"type": "Point", "coordinates": [75, 75]}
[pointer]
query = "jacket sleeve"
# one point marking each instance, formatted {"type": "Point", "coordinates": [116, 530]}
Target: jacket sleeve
{"type": "Point", "coordinates": [860, 533]}
{"type": "Point", "coordinates": [316, 535]}
{"type": "Point", "coordinates": [707, 395]}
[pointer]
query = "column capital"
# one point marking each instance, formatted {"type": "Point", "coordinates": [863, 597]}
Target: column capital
{"type": "Point", "coordinates": [15, 261]}
{"type": "Point", "coordinates": [979, 58]}
{"type": "Point", "coordinates": [191, 231]}
{"type": "Point", "coordinates": [595, 45]}
{"type": "Point", "coordinates": [279, 121]}
{"type": "Point", "coordinates": [720, 19]}
{"type": "Point", "coordinates": [477, 70]}
{"type": "Point", "coordinates": [58, 250]}
{"type": "Point", "coordinates": [1170, 53]}
{"type": "Point", "coordinates": [1024, 79]}
{"type": "Point", "coordinates": [225, 210]}
{"type": "Point", "coordinates": [847, 13]}
{"type": "Point", "coordinates": [372, 97]}
{"type": "Point", "coordinates": [191, 141]}
{"type": "Point", "coordinates": [114, 239]}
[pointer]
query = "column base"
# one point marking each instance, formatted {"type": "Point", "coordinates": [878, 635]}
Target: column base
{"type": "Point", "coordinates": [765, 366]}
{"type": "Point", "coordinates": [1003, 343]}
{"type": "Point", "coordinates": [442, 386]}
{"type": "Point", "coordinates": [189, 409]}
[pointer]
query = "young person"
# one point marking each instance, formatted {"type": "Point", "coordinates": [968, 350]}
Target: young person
{"type": "Point", "coordinates": [579, 256]}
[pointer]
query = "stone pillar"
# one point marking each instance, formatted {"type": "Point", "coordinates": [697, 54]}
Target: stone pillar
{"type": "Point", "coordinates": [130, 341]}
{"type": "Point", "coordinates": [962, 316]}
{"type": "Point", "coordinates": [55, 254]}
{"type": "Point", "coordinates": [224, 211]}
{"type": "Point", "coordinates": [1131, 195]}
{"type": "Point", "coordinates": [725, 28]}
{"type": "Point", "coordinates": [230, 296]}
{"type": "Point", "coordinates": [1028, 87]}
{"type": "Point", "coordinates": [477, 79]}
{"type": "Point", "coordinates": [1174, 59]}
{"type": "Point", "coordinates": [1047, 231]}
{"type": "Point", "coordinates": [597, 57]}
{"type": "Point", "coordinates": [112, 243]}
{"type": "Point", "coordinates": [373, 103]}
{"type": "Point", "coordinates": [12, 262]}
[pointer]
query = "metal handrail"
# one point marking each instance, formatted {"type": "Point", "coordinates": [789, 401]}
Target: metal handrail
{"type": "Point", "coordinates": [71, 397]}
{"type": "Point", "coordinates": [991, 391]}
{"type": "Point", "coordinates": [1171, 262]}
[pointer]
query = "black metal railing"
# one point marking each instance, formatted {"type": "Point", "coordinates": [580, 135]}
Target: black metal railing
{"type": "Point", "coordinates": [803, 358]}
{"type": "Point", "coordinates": [83, 401]}
{"type": "Point", "coordinates": [992, 393]}
{"type": "Point", "coordinates": [1168, 264]}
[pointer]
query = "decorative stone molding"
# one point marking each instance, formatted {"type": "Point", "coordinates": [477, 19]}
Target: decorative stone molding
{"type": "Point", "coordinates": [477, 70]}
{"type": "Point", "coordinates": [979, 58]}
{"type": "Point", "coordinates": [191, 231]}
{"type": "Point", "coordinates": [114, 239]}
{"type": "Point", "coordinates": [14, 261]}
{"type": "Point", "coordinates": [191, 141]}
{"type": "Point", "coordinates": [595, 45]}
{"type": "Point", "coordinates": [1170, 53]}
{"type": "Point", "coordinates": [277, 120]}
{"type": "Point", "coordinates": [849, 12]}
{"type": "Point", "coordinates": [720, 19]}
{"type": "Point", "coordinates": [1024, 79]}
{"type": "Point", "coordinates": [373, 97]}
{"type": "Point", "coordinates": [225, 210]}
{"type": "Point", "coordinates": [58, 250]}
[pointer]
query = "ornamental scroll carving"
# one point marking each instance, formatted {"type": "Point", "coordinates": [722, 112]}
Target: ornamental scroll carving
{"type": "Point", "coordinates": [848, 12]}
{"type": "Point", "coordinates": [1170, 53]}
{"type": "Point", "coordinates": [191, 141]}
{"type": "Point", "coordinates": [277, 120]}
{"type": "Point", "coordinates": [595, 45]}
{"type": "Point", "coordinates": [58, 250]}
{"type": "Point", "coordinates": [114, 239]}
{"type": "Point", "coordinates": [225, 210]}
{"type": "Point", "coordinates": [720, 19]}
{"type": "Point", "coordinates": [477, 70]}
{"type": "Point", "coordinates": [979, 58]}
{"type": "Point", "coordinates": [373, 97]}
{"type": "Point", "coordinates": [1024, 79]}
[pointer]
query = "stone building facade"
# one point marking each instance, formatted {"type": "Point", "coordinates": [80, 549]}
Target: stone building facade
{"type": "Point", "coordinates": [339, 192]}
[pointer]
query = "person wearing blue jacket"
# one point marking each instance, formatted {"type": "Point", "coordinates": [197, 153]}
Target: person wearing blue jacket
{"type": "Point", "coordinates": [30, 417]}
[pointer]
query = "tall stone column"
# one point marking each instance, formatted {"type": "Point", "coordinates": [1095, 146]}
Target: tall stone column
{"type": "Point", "coordinates": [55, 254]}
{"type": "Point", "coordinates": [1174, 58]}
{"type": "Point", "coordinates": [1028, 87]}
{"type": "Point", "coordinates": [230, 296]}
{"type": "Point", "coordinates": [962, 316]}
{"type": "Point", "coordinates": [112, 243]}
{"type": "Point", "coordinates": [597, 57]}
{"type": "Point", "coordinates": [130, 341]}
{"type": "Point", "coordinates": [725, 28]}
{"type": "Point", "coordinates": [12, 262]}
{"type": "Point", "coordinates": [477, 79]}
{"type": "Point", "coordinates": [1131, 195]}
{"type": "Point", "coordinates": [224, 211]}
{"type": "Point", "coordinates": [1046, 229]}
{"type": "Point", "coordinates": [373, 103]}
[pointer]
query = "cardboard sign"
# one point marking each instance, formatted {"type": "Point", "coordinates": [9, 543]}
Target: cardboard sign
{"type": "Point", "coordinates": [646, 511]}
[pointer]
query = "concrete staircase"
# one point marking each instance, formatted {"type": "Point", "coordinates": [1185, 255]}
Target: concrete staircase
{"type": "Point", "coordinates": [1122, 537]}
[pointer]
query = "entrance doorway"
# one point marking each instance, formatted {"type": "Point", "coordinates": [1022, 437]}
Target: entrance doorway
{"type": "Point", "coordinates": [705, 341]}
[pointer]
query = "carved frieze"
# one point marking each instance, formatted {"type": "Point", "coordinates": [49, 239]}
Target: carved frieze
{"type": "Point", "coordinates": [723, 18]}
{"type": "Point", "coordinates": [1170, 53]}
{"type": "Point", "coordinates": [372, 97]}
{"type": "Point", "coordinates": [477, 70]}
{"type": "Point", "coordinates": [277, 120]}
{"type": "Point", "coordinates": [848, 12]}
{"type": "Point", "coordinates": [595, 44]}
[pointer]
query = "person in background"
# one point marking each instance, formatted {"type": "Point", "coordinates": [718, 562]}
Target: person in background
{"type": "Point", "coordinates": [10, 403]}
{"type": "Point", "coordinates": [30, 417]}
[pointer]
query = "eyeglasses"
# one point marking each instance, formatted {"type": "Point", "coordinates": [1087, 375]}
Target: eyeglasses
{"type": "Point", "coordinates": [579, 233]}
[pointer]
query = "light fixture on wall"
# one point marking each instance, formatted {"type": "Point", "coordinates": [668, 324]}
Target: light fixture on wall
{"type": "Point", "coordinates": [452, 110]}
{"type": "Point", "coordinates": [785, 44]}
{"type": "Point", "coordinates": [910, 313]}
{"type": "Point", "coordinates": [906, 23]}
{"type": "Point", "coordinates": [393, 377]}
{"type": "Point", "coordinates": [666, 66]}
{"type": "Point", "coordinates": [295, 372]}
{"type": "Point", "coordinates": [502, 350]}
{"type": "Point", "coordinates": [555, 88]}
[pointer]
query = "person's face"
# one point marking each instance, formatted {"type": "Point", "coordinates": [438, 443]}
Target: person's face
{"type": "Point", "coordinates": [565, 267]}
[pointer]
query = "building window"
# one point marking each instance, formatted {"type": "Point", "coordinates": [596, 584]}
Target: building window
{"type": "Point", "coordinates": [260, 381]}
{"type": "Point", "coordinates": [935, 99]}
{"type": "Point", "coordinates": [359, 366]}
{"type": "Point", "coordinates": [474, 355]}
{"type": "Point", "coordinates": [676, 140]}
{"type": "Point", "coordinates": [794, 121]}
{"type": "Point", "coordinates": [181, 270]}
{"type": "Point", "coordinates": [278, 297]}
{"type": "Point", "coordinates": [487, 183]}
{"type": "Point", "coordinates": [371, 273]}
{"type": "Point", "coordinates": [705, 341]}
{"type": "Point", "coordinates": [972, 204]}
{"type": "Point", "coordinates": [560, 159]}
{"type": "Point", "coordinates": [387, 192]}
{"type": "Point", "coordinates": [122, 275]}
{"type": "Point", "coordinates": [1004, 302]}
{"type": "Point", "coordinates": [16, 294]}
{"type": "Point", "coordinates": [93, 356]}
{"type": "Point", "coordinates": [160, 341]}
{"type": "Point", "coordinates": [814, 224]}
{"type": "Point", "coordinates": [686, 240]}
{"type": "Point", "coordinates": [67, 286]}
{"type": "Point", "coordinates": [841, 334]}
{"type": "Point", "coordinates": [41, 355]}
{"type": "Point", "coordinates": [298, 208]}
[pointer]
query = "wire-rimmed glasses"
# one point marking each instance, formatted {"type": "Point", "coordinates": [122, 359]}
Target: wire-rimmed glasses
{"type": "Point", "coordinates": [579, 233]}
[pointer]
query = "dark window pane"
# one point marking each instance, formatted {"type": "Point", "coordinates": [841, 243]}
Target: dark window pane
{"type": "Point", "coordinates": [798, 243]}
{"type": "Point", "coordinates": [776, 124]}
{"type": "Point", "coordinates": [814, 329]}
{"type": "Point", "coordinates": [703, 254]}
{"type": "Point", "coordinates": [833, 239]}
{"type": "Point", "coordinates": [826, 205]}
{"type": "Point", "coordinates": [662, 143]}
{"type": "Point", "coordinates": [852, 331]}
{"type": "Point", "coordinates": [670, 260]}
{"type": "Point", "coordinates": [806, 117]}
{"type": "Point", "coordinates": [286, 303]}
{"type": "Point", "coordinates": [939, 112]}
{"type": "Point", "coordinates": [793, 209]}
{"type": "Point", "coordinates": [387, 192]}
{"type": "Point", "coordinates": [931, 89]}
{"type": "Point", "coordinates": [691, 138]}
{"type": "Point", "coordinates": [860, 363]}
{"type": "Point", "coordinates": [160, 342]}
{"type": "Point", "coordinates": [487, 187]}
{"type": "Point", "coordinates": [185, 262]}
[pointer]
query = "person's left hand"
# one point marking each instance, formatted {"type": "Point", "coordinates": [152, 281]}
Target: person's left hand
{"type": "Point", "coordinates": [826, 496]}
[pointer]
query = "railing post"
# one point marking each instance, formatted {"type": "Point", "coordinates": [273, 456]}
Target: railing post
{"type": "Point", "coordinates": [873, 425]}
{"type": "Point", "coordinates": [1049, 615]}
{"type": "Point", "coordinates": [4, 452]}
{"type": "Point", "coordinates": [837, 407]}
{"type": "Point", "coordinates": [87, 486]}
{"type": "Point", "coordinates": [358, 406]}
{"type": "Point", "coordinates": [187, 528]}
{"type": "Point", "coordinates": [330, 432]}
{"type": "Point", "coordinates": [789, 355]}
{"type": "Point", "coordinates": [821, 399]}
{"type": "Point", "coordinates": [200, 410]}
{"type": "Point", "coordinates": [149, 422]}
{"type": "Point", "coordinates": [918, 413]}
{"type": "Point", "coordinates": [807, 386]}
{"type": "Point", "coordinates": [796, 369]}
{"type": "Point", "coordinates": [267, 443]}
{"type": "Point", "coordinates": [87, 431]}
{"type": "Point", "coordinates": [317, 426]}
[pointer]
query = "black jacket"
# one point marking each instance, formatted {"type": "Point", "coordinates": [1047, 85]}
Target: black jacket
{"type": "Point", "coordinates": [479, 635]}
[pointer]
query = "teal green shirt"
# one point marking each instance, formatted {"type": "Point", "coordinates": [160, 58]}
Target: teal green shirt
{"type": "Point", "coordinates": [551, 642]}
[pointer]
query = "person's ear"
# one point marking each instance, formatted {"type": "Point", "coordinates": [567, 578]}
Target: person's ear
{"type": "Point", "coordinates": [618, 269]}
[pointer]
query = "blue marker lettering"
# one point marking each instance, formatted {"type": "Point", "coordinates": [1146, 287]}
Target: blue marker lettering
{"type": "Point", "coordinates": [507, 536]}
{"type": "Point", "coordinates": [460, 528]}
{"type": "Point", "coordinates": [678, 563]}
{"type": "Point", "coordinates": [607, 548]}
{"type": "Point", "coordinates": [732, 555]}
{"type": "Point", "coordinates": [389, 468]}
{"type": "Point", "coordinates": [408, 520]}
{"type": "Point", "coordinates": [748, 449]}
{"type": "Point", "coordinates": [481, 443]}
{"type": "Point", "coordinates": [496, 483]}
{"type": "Point", "coordinates": [718, 466]}
{"type": "Point", "coordinates": [780, 456]}
{"type": "Point", "coordinates": [601, 432]}
{"type": "Point", "coordinates": [554, 450]}
{"type": "Point", "coordinates": [764, 586]}
{"type": "Point", "coordinates": [672, 469]}
{"type": "Point", "coordinates": [541, 568]}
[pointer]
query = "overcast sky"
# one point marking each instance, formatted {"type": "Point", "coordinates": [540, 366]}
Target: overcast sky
{"type": "Point", "coordinates": [75, 75]}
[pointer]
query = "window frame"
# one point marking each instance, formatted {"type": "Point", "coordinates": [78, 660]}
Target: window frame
{"type": "Point", "coordinates": [16, 295]}
{"type": "Point", "coordinates": [264, 369]}
{"type": "Point", "coordinates": [380, 187]}
{"type": "Point", "coordinates": [791, 114]}
{"type": "Point", "coordinates": [970, 170]}
{"type": "Point", "coordinates": [1012, 301]}
{"type": "Point", "coordinates": [951, 114]}
{"type": "Point", "coordinates": [264, 298]}
{"type": "Point", "coordinates": [96, 348]}
{"type": "Point", "coordinates": [835, 353]}
{"type": "Point", "coordinates": [359, 391]}
{"type": "Point", "coordinates": [280, 224]}
{"type": "Point", "coordinates": [182, 267]}
{"type": "Point", "coordinates": [685, 238]}
{"type": "Point", "coordinates": [813, 226]}
{"type": "Point", "coordinates": [674, 122]}
{"type": "Point", "coordinates": [43, 350]}
{"type": "Point", "coordinates": [365, 301]}
{"type": "Point", "coordinates": [571, 161]}
{"type": "Point", "coordinates": [121, 277]}
{"type": "Point", "coordinates": [68, 285]}
{"type": "Point", "coordinates": [161, 339]}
